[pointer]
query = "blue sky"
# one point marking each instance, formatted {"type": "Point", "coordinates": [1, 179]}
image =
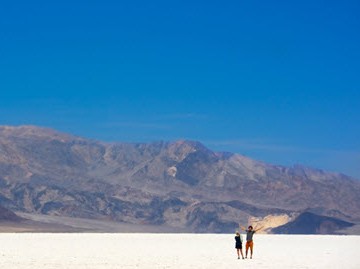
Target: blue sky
{"type": "Point", "coordinates": [277, 81]}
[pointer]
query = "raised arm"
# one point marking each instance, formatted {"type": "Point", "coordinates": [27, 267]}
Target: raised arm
{"type": "Point", "coordinates": [258, 229]}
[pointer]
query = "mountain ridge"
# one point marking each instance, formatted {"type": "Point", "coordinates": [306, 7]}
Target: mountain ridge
{"type": "Point", "coordinates": [179, 184]}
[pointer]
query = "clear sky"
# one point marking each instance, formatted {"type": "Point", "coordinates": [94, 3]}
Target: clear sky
{"type": "Point", "coordinates": [278, 81]}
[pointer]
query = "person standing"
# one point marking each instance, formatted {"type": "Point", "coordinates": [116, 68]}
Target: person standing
{"type": "Point", "coordinates": [238, 245]}
{"type": "Point", "coordinates": [249, 240]}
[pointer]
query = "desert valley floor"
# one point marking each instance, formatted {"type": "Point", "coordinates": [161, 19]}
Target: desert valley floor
{"type": "Point", "coordinates": [100, 251]}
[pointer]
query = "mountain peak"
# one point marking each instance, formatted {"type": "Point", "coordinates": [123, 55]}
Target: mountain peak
{"type": "Point", "coordinates": [31, 131]}
{"type": "Point", "coordinates": [182, 184]}
{"type": "Point", "coordinates": [191, 143]}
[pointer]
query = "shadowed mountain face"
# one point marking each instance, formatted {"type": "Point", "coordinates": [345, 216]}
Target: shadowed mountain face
{"type": "Point", "coordinates": [309, 223]}
{"type": "Point", "coordinates": [178, 184]}
{"type": "Point", "coordinates": [7, 215]}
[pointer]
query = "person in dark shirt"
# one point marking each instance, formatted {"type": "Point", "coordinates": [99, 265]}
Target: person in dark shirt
{"type": "Point", "coordinates": [249, 240]}
{"type": "Point", "coordinates": [238, 245]}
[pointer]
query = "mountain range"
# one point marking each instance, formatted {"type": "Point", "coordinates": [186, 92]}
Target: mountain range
{"type": "Point", "coordinates": [59, 180]}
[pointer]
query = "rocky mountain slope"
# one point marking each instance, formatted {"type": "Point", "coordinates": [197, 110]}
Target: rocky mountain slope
{"type": "Point", "coordinates": [7, 215]}
{"type": "Point", "coordinates": [309, 223]}
{"type": "Point", "coordinates": [181, 185]}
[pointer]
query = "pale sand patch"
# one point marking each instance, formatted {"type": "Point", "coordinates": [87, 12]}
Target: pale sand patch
{"type": "Point", "coordinates": [269, 222]}
{"type": "Point", "coordinates": [50, 251]}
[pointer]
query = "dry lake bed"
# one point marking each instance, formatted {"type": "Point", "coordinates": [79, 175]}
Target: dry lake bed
{"type": "Point", "coordinates": [105, 251]}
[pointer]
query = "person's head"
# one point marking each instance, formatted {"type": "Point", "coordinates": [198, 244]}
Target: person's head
{"type": "Point", "coordinates": [250, 228]}
{"type": "Point", "coordinates": [237, 233]}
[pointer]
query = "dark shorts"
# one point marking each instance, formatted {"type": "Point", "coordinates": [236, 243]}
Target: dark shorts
{"type": "Point", "coordinates": [238, 246]}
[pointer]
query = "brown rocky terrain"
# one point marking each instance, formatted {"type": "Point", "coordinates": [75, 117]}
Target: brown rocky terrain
{"type": "Point", "coordinates": [178, 185]}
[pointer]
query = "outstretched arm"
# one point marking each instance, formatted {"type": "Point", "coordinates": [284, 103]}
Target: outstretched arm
{"type": "Point", "coordinates": [258, 229]}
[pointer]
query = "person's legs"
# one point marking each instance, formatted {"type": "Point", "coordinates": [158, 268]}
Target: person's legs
{"type": "Point", "coordinates": [238, 253]}
{"type": "Point", "coordinates": [242, 255]}
{"type": "Point", "coordinates": [251, 249]}
{"type": "Point", "coordinates": [247, 248]}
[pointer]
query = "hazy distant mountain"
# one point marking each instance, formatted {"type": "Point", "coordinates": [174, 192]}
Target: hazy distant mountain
{"type": "Point", "coordinates": [309, 223]}
{"type": "Point", "coordinates": [181, 185]}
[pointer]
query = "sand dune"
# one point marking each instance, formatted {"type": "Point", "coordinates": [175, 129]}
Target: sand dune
{"type": "Point", "coordinates": [100, 251]}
